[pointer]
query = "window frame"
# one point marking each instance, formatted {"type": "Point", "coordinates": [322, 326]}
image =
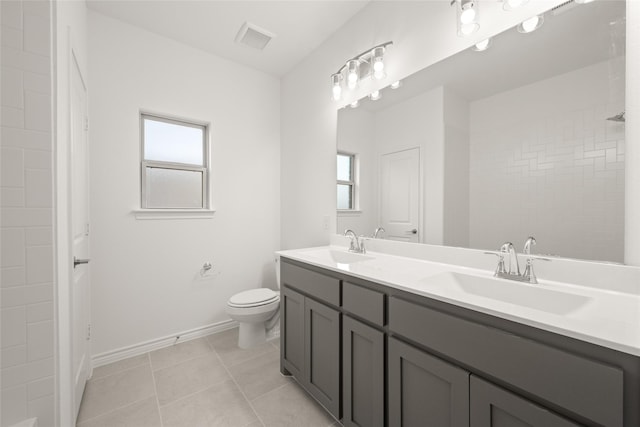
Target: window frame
{"type": "Point", "coordinates": [352, 183]}
{"type": "Point", "coordinates": [159, 164]}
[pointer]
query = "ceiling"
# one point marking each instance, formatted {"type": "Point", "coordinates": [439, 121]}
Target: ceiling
{"type": "Point", "coordinates": [573, 36]}
{"type": "Point", "coordinates": [300, 26]}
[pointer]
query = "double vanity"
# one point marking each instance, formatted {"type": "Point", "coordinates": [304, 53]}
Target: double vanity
{"type": "Point", "coordinates": [388, 340]}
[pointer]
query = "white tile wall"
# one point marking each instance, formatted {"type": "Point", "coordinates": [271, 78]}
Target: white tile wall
{"type": "Point", "coordinates": [26, 300]}
{"type": "Point", "coordinates": [559, 163]}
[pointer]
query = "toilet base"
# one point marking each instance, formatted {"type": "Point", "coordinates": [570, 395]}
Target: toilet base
{"type": "Point", "coordinates": [251, 334]}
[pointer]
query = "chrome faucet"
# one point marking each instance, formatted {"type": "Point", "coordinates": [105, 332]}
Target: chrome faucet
{"type": "Point", "coordinates": [378, 231]}
{"type": "Point", "coordinates": [357, 243]}
{"type": "Point", "coordinates": [513, 272]}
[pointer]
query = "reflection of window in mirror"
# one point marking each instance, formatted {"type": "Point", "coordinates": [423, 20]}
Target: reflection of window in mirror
{"type": "Point", "coordinates": [346, 178]}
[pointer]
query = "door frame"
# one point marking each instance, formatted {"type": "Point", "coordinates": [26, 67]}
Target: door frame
{"type": "Point", "coordinates": [63, 64]}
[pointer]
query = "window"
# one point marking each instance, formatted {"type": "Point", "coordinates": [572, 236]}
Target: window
{"type": "Point", "coordinates": [174, 164]}
{"type": "Point", "coordinates": [346, 181]}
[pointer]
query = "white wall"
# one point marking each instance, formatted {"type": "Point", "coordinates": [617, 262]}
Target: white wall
{"type": "Point", "coordinates": [143, 271]}
{"type": "Point", "coordinates": [27, 258]}
{"type": "Point", "coordinates": [423, 33]}
{"type": "Point", "coordinates": [544, 157]}
{"type": "Point", "coordinates": [632, 153]}
{"type": "Point", "coordinates": [356, 136]}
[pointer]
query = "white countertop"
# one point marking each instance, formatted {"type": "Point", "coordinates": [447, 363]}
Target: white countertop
{"type": "Point", "coordinates": [610, 318]}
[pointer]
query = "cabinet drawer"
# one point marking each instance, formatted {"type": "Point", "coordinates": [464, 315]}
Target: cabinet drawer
{"type": "Point", "coordinates": [315, 284]}
{"type": "Point", "coordinates": [365, 303]}
{"type": "Point", "coordinates": [561, 379]}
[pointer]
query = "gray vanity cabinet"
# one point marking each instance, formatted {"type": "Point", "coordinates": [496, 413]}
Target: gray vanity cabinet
{"type": "Point", "coordinates": [424, 390]}
{"type": "Point", "coordinates": [292, 328]}
{"type": "Point", "coordinates": [310, 333]}
{"type": "Point", "coordinates": [363, 374]}
{"type": "Point", "coordinates": [322, 349]}
{"type": "Point", "coordinates": [492, 406]}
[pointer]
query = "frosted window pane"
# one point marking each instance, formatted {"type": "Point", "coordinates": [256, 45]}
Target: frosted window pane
{"type": "Point", "coordinates": [344, 168]}
{"type": "Point", "coordinates": [170, 142]}
{"type": "Point", "coordinates": [344, 197]}
{"type": "Point", "coordinates": [172, 188]}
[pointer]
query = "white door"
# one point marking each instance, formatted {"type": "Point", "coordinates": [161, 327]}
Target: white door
{"type": "Point", "coordinates": [79, 229]}
{"type": "Point", "coordinates": [400, 195]}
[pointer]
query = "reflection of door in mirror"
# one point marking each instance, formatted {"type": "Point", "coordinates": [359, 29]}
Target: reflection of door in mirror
{"type": "Point", "coordinates": [399, 194]}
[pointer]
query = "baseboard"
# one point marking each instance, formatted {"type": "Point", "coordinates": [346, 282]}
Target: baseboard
{"type": "Point", "coordinates": [155, 344]}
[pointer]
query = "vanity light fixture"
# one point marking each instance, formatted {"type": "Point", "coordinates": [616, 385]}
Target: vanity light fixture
{"type": "Point", "coordinates": [513, 4]}
{"type": "Point", "coordinates": [483, 45]}
{"type": "Point", "coordinates": [531, 24]}
{"type": "Point", "coordinates": [375, 95]}
{"type": "Point", "coordinates": [467, 16]}
{"type": "Point", "coordinates": [395, 85]}
{"type": "Point", "coordinates": [369, 63]}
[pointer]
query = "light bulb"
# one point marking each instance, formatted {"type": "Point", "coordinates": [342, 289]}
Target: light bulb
{"type": "Point", "coordinates": [513, 4]}
{"type": "Point", "coordinates": [469, 28]}
{"type": "Point", "coordinates": [531, 24]}
{"type": "Point", "coordinates": [336, 89]}
{"type": "Point", "coordinates": [337, 92]}
{"type": "Point", "coordinates": [468, 15]}
{"type": "Point", "coordinates": [483, 45]}
{"type": "Point", "coordinates": [378, 69]}
{"type": "Point", "coordinates": [353, 73]}
{"type": "Point", "coordinates": [377, 62]}
{"type": "Point", "coordinates": [375, 95]}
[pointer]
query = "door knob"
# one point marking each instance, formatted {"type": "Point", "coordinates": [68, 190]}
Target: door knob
{"type": "Point", "coordinates": [77, 261]}
{"type": "Point", "coordinates": [414, 231]}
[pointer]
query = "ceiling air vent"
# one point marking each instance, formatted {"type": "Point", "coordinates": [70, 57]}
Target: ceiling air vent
{"type": "Point", "coordinates": [253, 36]}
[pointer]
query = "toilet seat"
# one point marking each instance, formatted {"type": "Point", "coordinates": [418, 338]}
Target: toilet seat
{"type": "Point", "coordinates": [253, 298]}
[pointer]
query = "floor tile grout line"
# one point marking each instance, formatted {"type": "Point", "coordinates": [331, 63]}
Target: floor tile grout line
{"type": "Point", "coordinates": [119, 371]}
{"type": "Point", "coordinates": [114, 410]}
{"type": "Point", "coordinates": [182, 361]}
{"type": "Point", "coordinates": [242, 392]}
{"type": "Point", "coordinates": [271, 391]}
{"type": "Point", "coordinates": [207, 387]}
{"type": "Point", "coordinates": [155, 389]}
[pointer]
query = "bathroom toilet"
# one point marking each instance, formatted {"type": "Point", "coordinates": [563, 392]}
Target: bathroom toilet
{"type": "Point", "coordinates": [257, 311]}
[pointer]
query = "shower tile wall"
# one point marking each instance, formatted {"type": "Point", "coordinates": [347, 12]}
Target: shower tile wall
{"type": "Point", "coordinates": [546, 162]}
{"type": "Point", "coordinates": [27, 215]}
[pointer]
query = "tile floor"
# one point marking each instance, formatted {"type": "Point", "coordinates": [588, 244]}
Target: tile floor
{"type": "Point", "coordinates": [199, 383]}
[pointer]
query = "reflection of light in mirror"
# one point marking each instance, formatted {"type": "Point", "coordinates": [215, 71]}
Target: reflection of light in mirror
{"type": "Point", "coordinates": [396, 85]}
{"type": "Point", "coordinates": [513, 4]}
{"type": "Point", "coordinates": [531, 24]}
{"type": "Point", "coordinates": [354, 104]}
{"type": "Point", "coordinates": [375, 95]}
{"type": "Point", "coordinates": [483, 45]}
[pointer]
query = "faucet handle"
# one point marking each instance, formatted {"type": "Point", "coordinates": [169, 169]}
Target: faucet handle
{"type": "Point", "coordinates": [529, 276]}
{"type": "Point", "coordinates": [500, 268]}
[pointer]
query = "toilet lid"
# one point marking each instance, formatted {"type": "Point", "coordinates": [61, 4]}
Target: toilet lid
{"type": "Point", "coordinates": [253, 297]}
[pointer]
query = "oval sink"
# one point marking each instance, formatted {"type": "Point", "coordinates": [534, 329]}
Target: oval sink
{"type": "Point", "coordinates": [339, 257]}
{"type": "Point", "coordinates": [523, 294]}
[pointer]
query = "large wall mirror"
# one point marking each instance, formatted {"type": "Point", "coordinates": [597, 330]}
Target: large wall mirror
{"type": "Point", "coordinates": [524, 138]}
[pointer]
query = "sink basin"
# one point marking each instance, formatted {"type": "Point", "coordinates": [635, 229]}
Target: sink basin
{"type": "Point", "coordinates": [537, 297]}
{"type": "Point", "coordinates": [339, 257]}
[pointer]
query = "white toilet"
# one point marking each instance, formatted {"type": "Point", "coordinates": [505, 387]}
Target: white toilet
{"type": "Point", "coordinates": [257, 311]}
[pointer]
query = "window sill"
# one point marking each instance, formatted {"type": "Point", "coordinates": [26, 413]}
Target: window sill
{"type": "Point", "coordinates": [349, 213]}
{"type": "Point", "coordinates": [173, 213]}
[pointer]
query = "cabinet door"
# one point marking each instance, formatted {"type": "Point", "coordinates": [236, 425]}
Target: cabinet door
{"type": "Point", "coordinates": [322, 346]}
{"type": "Point", "coordinates": [424, 390]}
{"type": "Point", "coordinates": [292, 333]}
{"type": "Point", "coordinates": [492, 406]}
{"type": "Point", "coordinates": [363, 374]}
